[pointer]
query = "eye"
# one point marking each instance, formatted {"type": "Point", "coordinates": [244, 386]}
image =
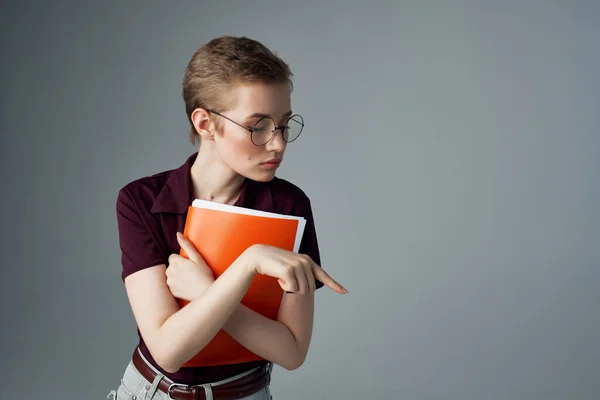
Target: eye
{"type": "Point", "coordinates": [263, 125]}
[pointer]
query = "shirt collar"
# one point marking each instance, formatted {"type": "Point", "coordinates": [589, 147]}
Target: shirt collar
{"type": "Point", "coordinates": [176, 195]}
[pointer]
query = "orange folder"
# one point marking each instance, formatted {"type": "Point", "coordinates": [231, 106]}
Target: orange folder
{"type": "Point", "coordinates": [221, 233]}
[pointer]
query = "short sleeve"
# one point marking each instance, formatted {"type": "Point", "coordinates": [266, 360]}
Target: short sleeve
{"type": "Point", "coordinates": [138, 248]}
{"type": "Point", "coordinates": [309, 244]}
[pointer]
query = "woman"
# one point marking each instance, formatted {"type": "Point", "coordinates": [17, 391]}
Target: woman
{"type": "Point", "coordinates": [237, 95]}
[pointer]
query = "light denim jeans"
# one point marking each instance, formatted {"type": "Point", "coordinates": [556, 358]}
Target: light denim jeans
{"type": "Point", "coordinates": [134, 386]}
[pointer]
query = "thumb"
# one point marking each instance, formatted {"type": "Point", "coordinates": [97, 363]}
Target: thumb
{"type": "Point", "coordinates": [188, 248]}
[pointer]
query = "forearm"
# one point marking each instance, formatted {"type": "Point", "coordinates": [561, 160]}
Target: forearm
{"type": "Point", "coordinates": [267, 338]}
{"type": "Point", "coordinates": [188, 330]}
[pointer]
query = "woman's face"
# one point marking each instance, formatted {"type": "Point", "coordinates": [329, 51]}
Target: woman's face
{"type": "Point", "coordinates": [234, 144]}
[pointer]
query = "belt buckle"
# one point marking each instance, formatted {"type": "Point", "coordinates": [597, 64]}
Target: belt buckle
{"type": "Point", "coordinates": [176, 384]}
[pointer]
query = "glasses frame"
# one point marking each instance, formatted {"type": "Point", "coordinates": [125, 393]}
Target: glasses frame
{"type": "Point", "coordinates": [282, 128]}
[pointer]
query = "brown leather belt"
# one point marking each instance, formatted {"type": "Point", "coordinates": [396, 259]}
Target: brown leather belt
{"type": "Point", "coordinates": [237, 389]}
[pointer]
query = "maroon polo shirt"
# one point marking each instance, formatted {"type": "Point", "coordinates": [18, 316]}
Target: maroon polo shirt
{"type": "Point", "coordinates": [151, 210]}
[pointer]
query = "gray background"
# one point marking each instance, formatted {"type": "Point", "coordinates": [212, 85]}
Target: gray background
{"type": "Point", "coordinates": [451, 151]}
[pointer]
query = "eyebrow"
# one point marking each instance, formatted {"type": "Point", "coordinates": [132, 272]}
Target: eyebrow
{"type": "Point", "coordinates": [261, 115]}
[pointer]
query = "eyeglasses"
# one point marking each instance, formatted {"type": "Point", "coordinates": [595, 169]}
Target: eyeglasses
{"type": "Point", "coordinates": [264, 129]}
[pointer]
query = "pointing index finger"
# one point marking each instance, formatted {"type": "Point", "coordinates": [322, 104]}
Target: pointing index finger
{"type": "Point", "coordinates": [327, 280]}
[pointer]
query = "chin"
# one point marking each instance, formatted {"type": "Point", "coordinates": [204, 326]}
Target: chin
{"type": "Point", "coordinates": [261, 177]}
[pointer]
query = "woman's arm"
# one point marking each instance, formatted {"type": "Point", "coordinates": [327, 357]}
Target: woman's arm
{"type": "Point", "coordinates": [284, 341]}
{"type": "Point", "coordinates": [175, 335]}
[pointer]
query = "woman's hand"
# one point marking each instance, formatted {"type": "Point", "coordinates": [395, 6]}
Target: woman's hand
{"type": "Point", "coordinates": [295, 272]}
{"type": "Point", "coordinates": [188, 278]}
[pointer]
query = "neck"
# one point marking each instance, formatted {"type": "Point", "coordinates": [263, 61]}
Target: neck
{"type": "Point", "coordinates": [212, 180]}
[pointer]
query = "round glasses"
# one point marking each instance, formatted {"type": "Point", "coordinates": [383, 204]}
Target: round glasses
{"type": "Point", "coordinates": [264, 129]}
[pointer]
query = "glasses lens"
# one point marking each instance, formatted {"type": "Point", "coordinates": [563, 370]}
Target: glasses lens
{"type": "Point", "coordinates": [263, 130]}
{"type": "Point", "coordinates": [294, 128]}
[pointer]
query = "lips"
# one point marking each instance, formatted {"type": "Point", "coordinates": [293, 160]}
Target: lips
{"type": "Point", "coordinates": [271, 164]}
{"type": "Point", "coordinates": [273, 161]}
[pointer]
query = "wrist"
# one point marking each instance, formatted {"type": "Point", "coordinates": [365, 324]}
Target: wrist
{"type": "Point", "coordinates": [248, 264]}
{"type": "Point", "coordinates": [203, 286]}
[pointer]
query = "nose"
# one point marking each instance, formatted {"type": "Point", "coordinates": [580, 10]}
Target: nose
{"type": "Point", "coordinates": [276, 144]}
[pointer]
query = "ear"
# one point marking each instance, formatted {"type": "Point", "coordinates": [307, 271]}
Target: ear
{"type": "Point", "coordinates": [203, 124]}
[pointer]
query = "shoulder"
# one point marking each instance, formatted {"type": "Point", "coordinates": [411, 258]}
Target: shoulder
{"type": "Point", "coordinates": [284, 190]}
{"type": "Point", "coordinates": [142, 192]}
{"type": "Point", "coordinates": [289, 198]}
